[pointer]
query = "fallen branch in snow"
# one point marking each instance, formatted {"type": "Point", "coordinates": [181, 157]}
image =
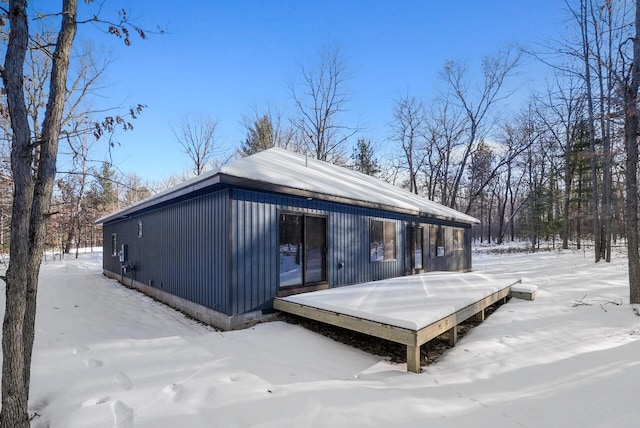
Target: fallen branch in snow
{"type": "Point", "coordinates": [617, 302]}
{"type": "Point", "coordinates": [581, 302]}
{"type": "Point", "coordinates": [612, 302]}
{"type": "Point", "coordinates": [636, 309]}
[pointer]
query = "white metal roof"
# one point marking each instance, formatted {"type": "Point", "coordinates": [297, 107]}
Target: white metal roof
{"type": "Point", "coordinates": [295, 173]}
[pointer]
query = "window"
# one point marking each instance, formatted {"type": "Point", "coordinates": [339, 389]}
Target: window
{"type": "Point", "coordinates": [114, 245]}
{"type": "Point", "coordinates": [415, 242]}
{"type": "Point", "coordinates": [382, 240]}
{"type": "Point", "coordinates": [458, 239]}
{"type": "Point", "coordinates": [140, 229]}
{"type": "Point", "coordinates": [302, 249]}
{"type": "Point", "coordinates": [436, 241]}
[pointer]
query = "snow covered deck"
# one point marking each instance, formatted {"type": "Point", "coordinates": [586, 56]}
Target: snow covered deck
{"type": "Point", "coordinates": [410, 310]}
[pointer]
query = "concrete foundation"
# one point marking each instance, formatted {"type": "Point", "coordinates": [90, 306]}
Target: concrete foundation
{"type": "Point", "coordinates": [201, 313]}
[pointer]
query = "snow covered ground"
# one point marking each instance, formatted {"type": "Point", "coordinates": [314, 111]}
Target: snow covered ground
{"type": "Point", "coordinates": [107, 356]}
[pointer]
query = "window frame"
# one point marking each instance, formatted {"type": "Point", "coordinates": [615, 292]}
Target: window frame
{"type": "Point", "coordinates": [435, 239]}
{"type": "Point", "coordinates": [415, 241]}
{"type": "Point", "coordinates": [114, 245]}
{"type": "Point", "coordinates": [458, 239]}
{"type": "Point", "coordinates": [305, 285]}
{"type": "Point", "coordinates": [386, 242]}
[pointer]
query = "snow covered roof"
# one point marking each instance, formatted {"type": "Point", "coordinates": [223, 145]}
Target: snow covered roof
{"type": "Point", "coordinates": [291, 173]}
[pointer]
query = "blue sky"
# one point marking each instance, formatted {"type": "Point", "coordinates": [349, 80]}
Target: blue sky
{"type": "Point", "coordinates": [223, 58]}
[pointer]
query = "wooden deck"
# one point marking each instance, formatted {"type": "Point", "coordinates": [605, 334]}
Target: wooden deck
{"type": "Point", "coordinates": [408, 310]}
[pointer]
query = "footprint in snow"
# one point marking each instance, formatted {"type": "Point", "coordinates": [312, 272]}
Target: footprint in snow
{"type": "Point", "coordinates": [95, 401]}
{"type": "Point", "coordinates": [228, 379]}
{"type": "Point", "coordinates": [92, 363]}
{"type": "Point", "coordinates": [170, 389]}
{"type": "Point", "coordinates": [80, 349]}
{"type": "Point", "coordinates": [123, 380]}
{"type": "Point", "coordinates": [122, 415]}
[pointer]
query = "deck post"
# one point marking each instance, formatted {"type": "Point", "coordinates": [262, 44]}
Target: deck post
{"type": "Point", "coordinates": [413, 359]}
{"type": "Point", "coordinates": [453, 335]}
{"type": "Point", "coordinates": [480, 316]}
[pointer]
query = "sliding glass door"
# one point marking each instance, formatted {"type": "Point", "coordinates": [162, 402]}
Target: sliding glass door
{"type": "Point", "coordinates": [303, 249]}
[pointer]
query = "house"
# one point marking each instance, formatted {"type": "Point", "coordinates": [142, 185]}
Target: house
{"type": "Point", "coordinates": [221, 246]}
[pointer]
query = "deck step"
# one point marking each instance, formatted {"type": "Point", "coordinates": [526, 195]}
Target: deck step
{"type": "Point", "coordinates": [524, 291]}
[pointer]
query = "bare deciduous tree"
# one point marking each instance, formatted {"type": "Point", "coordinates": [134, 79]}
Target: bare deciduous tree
{"type": "Point", "coordinates": [446, 126]}
{"type": "Point", "coordinates": [409, 127]}
{"type": "Point", "coordinates": [197, 136]}
{"type": "Point", "coordinates": [477, 107]}
{"type": "Point", "coordinates": [320, 99]}
{"type": "Point", "coordinates": [560, 111]}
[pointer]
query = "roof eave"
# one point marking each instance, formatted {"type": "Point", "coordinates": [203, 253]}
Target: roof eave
{"type": "Point", "coordinates": [232, 180]}
{"type": "Point", "coordinates": [161, 197]}
{"type": "Point", "coordinates": [276, 188]}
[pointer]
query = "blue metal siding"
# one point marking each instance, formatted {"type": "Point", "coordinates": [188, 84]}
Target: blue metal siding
{"type": "Point", "coordinates": [255, 255]}
{"type": "Point", "coordinates": [183, 250]}
{"type": "Point", "coordinates": [453, 260]}
{"type": "Point", "coordinates": [221, 249]}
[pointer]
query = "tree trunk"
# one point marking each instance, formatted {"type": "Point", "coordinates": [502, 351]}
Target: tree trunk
{"type": "Point", "coordinates": [502, 206]}
{"type": "Point", "coordinates": [489, 214]}
{"type": "Point", "coordinates": [32, 197]}
{"type": "Point", "coordinates": [14, 396]}
{"type": "Point", "coordinates": [66, 247]}
{"type": "Point", "coordinates": [631, 170]}
{"type": "Point", "coordinates": [605, 123]}
{"type": "Point", "coordinates": [583, 21]}
{"type": "Point", "coordinates": [46, 172]}
{"type": "Point", "coordinates": [567, 191]}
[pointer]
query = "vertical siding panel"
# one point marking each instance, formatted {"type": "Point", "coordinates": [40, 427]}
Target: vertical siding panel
{"type": "Point", "coordinates": [256, 260]}
{"type": "Point", "coordinates": [271, 249]}
{"type": "Point", "coordinates": [262, 277]}
{"type": "Point", "coordinates": [178, 248]}
{"type": "Point", "coordinates": [182, 250]}
{"type": "Point", "coordinates": [270, 242]}
{"type": "Point", "coordinates": [262, 255]}
{"type": "Point", "coordinates": [214, 256]}
{"type": "Point", "coordinates": [202, 262]}
{"type": "Point", "coordinates": [197, 252]}
{"type": "Point", "coordinates": [213, 276]}
{"type": "Point", "coordinates": [228, 252]}
{"type": "Point", "coordinates": [188, 251]}
{"type": "Point", "coordinates": [239, 272]}
{"type": "Point", "coordinates": [202, 248]}
{"type": "Point", "coordinates": [246, 259]}
{"type": "Point", "coordinates": [247, 288]}
{"type": "Point", "coordinates": [235, 224]}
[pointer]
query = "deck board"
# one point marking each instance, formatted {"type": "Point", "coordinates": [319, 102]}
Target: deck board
{"type": "Point", "coordinates": [408, 310]}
